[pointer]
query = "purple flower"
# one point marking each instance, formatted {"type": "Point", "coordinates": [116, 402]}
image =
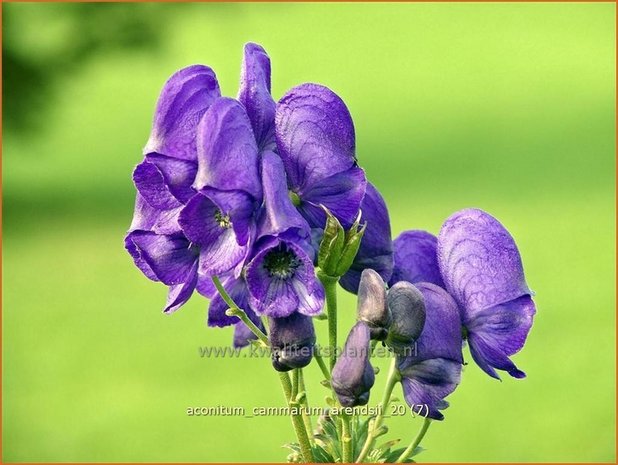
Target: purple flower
{"type": "Point", "coordinates": [315, 139]}
{"type": "Point", "coordinates": [433, 372]}
{"type": "Point", "coordinates": [482, 270]}
{"type": "Point", "coordinates": [376, 249]}
{"type": "Point", "coordinates": [415, 258]}
{"type": "Point", "coordinates": [407, 309]}
{"type": "Point", "coordinates": [281, 280]}
{"type": "Point", "coordinates": [353, 375]}
{"type": "Point", "coordinates": [292, 340]}
{"type": "Point", "coordinates": [372, 305]}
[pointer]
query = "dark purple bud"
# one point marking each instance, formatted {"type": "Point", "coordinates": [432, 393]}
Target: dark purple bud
{"type": "Point", "coordinates": [407, 308]}
{"type": "Point", "coordinates": [372, 305]}
{"type": "Point", "coordinates": [353, 376]}
{"type": "Point", "coordinates": [291, 339]}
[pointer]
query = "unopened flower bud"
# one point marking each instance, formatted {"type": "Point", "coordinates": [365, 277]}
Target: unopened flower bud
{"type": "Point", "coordinates": [407, 308]}
{"type": "Point", "coordinates": [372, 305]}
{"type": "Point", "coordinates": [353, 376]}
{"type": "Point", "coordinates": [292, 339]}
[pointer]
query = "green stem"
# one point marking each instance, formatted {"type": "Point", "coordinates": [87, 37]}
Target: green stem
{"type": "Point", "coordinates": [391, 380]}
{"type": "Point", "coordinates": [330, 289]}
{"type": "Point", "coordinates": [419, 437]}
{"type": "Point", "coordinates": [321, 364]}
{"type": "Point", "coordinates": [346, 439]}
{"type": "Point", "coordinates": [297, 421]}
{"type": "Point", "coordinates": [305, 402]}
{"type": "Point", "coordinates": [236, 311]}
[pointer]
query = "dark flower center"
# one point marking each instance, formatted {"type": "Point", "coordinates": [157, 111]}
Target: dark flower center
{"type": "Point", "coordinates": [223, 220]}
{"type": "Point", "coordinates": [281, 262]}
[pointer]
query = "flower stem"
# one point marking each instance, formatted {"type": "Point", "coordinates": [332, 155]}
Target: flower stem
{"type": "Point", "coordinates": [238, 312]}
{"type": "Point", "coordinates": [330, 289]}
{"type": "Point", "coordinates": [392, 379]}
{"type": "Point", "coordinates": [321, 364]}
{"type": "Point", "coordinates": [346, 439]}
{"type": "Point", "coordinates": [297, 421]}
{"type": "Point", "coordinates": [419, 437]}
{"type": "Point", "coordinates": [305, 402]}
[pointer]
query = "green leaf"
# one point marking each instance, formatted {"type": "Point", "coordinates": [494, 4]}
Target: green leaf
{"type": "Point", "coordinates": [331, 245]}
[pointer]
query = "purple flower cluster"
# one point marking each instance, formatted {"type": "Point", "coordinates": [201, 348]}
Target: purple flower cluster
{"type": "Point", "coordinates": [236, 188]}
{"type": "Point", "coordinates": [467, 284]}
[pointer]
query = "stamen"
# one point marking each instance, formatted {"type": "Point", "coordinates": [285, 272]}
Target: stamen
{"type": "Point", "coordinates": [281, 262]}
{"type": "Point", "coordinates": [223, 220]}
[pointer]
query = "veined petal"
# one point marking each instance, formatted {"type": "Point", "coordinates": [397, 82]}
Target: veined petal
{"type": "Point", "coordinates": [184, 99]}
{"type": "Point", "coordinates": [479, 261]}
{"type": "Point", "coordinates": [415, 258]}
{"type": "Point", "coordinates": [498, 332]}
{"type": "Point", "coordinates": [136, 255]}
{"type": "Point", "coordinates": [178, 175]}
{"type": "Point", "coordinates": [341, 193]}
{"type": "Point", "coordinates": [227, 150]}
{"type": "Point", "coordinates": [315, 135]}
{"type": "Point", "coordinates": [376, 248]}
{"type": "Point", "coordinates": [148, 218]}
{"type": "Point", "coordinates": [170, 257]}
{"type": "Point", "coordinates": [278, 214]}
{"type": "Point", "coordinates": [151, 185]}
{"type": "Point", "coordinates": [179, 294]}
{"type": "Point", "coordinates": [254, 94]}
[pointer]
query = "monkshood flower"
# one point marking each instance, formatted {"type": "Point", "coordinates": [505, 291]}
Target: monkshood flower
{"type": "Point", "coordinates": [292, 341]}
{"type": "Point", "coordinates": [353, 375]}
{"type": "Point", "coordinates": [482, 270]}
{"type": "Point", "coordinates": [316, 141]}
{"type": "Point", "coordinates": [376, 247]}
{"type": "Point", "coordinates": [408, 314]}
{"type": "Point", "coordinates": [280, 276]}
{"type": "Point", "coordinates": [415, 258]}
{"type": "Point", "coordinates": [372, 305]}
{"type": "Point", "coordinates": [433, 370]}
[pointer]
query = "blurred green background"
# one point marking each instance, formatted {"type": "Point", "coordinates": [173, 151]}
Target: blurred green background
{"type": "Point", "coordinates": [506, 107]}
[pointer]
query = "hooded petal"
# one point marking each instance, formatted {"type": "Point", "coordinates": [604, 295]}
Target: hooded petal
{"type": "Point", "coordinates": [151, 185]}
{"type": "Point", "coordinates": [479, 261]}
{"type": "Point", "coordinates": [341, 193]}
{"type": "Point", "coordinates": [353, 375]}
{"type": "Point", "coordinates": [315, 135]}
{"type": "Point", "coordinates": [179, 294]}
{"type": "Point", "coordinates": [254, 94]}
{"type": "Point", "coordinates": [184, 99]}
{"type": "Point", "coordinates": [227, 150]}
{"type": "Point", "coordinates": [170, 258]}
{"type": "Point", "coordinates": [278, 214]}
{"type": "Point", "coordinates": [376, 249]}
{"type": "Point", "coordinates": [433, 370]}
{"type": "Point", "coordinates": [292, 340]}
{"type": "Point", "coordinates": [498, 332]}
{"type": "Point", "coordinates": [415, 258]}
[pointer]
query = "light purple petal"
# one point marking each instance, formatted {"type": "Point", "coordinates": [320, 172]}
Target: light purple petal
{"type": "Point", "coordinates": [136, 255]}
{"type": "Point", "coordinates": [177, 174]}
{"type": "Point", "coordinates": [151, 185]}
{"type": "Point", "coordinates": [376, 249]}
{"type": "Point", "coordinates": [498, 332]}
{"type": "Point", "coordinates": [341, 193]}
{"type": "Point", "coordinates": [315, 135]}
{"type": "Point", "coordinates": [179, 294]}
{"type": "Point", "coordinates": [415, 258]}
{"type": "Point", "coordinates": [254, 94]}
{"type": "Point", "coordinates": [278, 214]}
{"type": "Point", "coordinates": [227, 150]}
{"type": "Point", "coordinates": [148, 218]}
{"type": "Point", "coordinates": [170, 257]}
{"type": "Point", "coordinates": [184, 99]}
{"type": "Point", "coordinates": [479, 261]}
